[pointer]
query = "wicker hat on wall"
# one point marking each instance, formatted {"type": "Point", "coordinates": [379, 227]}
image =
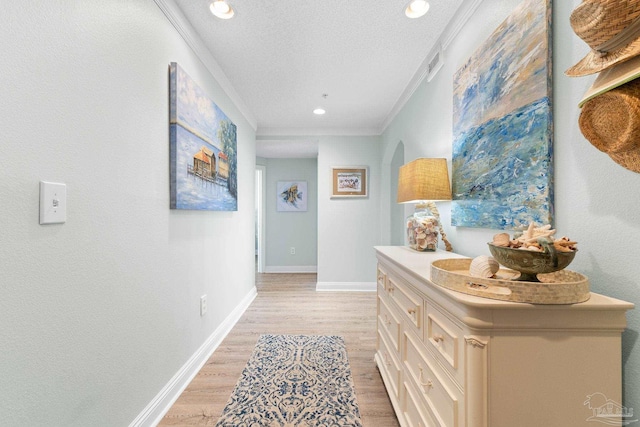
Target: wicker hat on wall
{"type": "Point", "coordinates": [611, 28]}
{"type": "Point", "coordinates": [611, 122]}
{"type": "Point", "coordinates": [612, 78]}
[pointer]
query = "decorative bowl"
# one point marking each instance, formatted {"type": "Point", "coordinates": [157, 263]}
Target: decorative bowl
{"type": "Point", "coordinates": [532, 263]}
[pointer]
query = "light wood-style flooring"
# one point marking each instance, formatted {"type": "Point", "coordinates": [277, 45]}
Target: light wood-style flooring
{"type": "Point", "coordinates": [289, 304]}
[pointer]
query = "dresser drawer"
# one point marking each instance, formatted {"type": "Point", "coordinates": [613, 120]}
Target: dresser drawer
{"type": "Point", "coordinates": [441, 399]}
{"type": "Point", "coordinates": [389, 322]}
{"type": "Point", "coordinates": [382, 277]}
{"type": "Point", "coordinates": [413, 411]}
{"type": "Point", "coordinates": [389, 364]}
{"type": "Point", "coordinates": [445, 338]}
{"type": "Point", "coordinates": [408, 302]}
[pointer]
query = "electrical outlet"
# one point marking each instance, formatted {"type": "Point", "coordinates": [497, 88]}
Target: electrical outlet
{"type": "Point", "coordinates": [203, 305]}
{"type": "Point", "coordinates": [292, 251]}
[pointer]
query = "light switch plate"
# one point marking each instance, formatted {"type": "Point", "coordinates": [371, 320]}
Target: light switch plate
{"type": "Point", "coordinates": [53, 203]}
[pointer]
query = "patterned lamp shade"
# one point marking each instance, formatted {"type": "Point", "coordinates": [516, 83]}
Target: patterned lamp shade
{"type": "Point", "coordinates": [422, 180]}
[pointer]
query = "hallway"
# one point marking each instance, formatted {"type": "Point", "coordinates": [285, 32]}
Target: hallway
{"type": "Point", "coordinates": [289, 304]}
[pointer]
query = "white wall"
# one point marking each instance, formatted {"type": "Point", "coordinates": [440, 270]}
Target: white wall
{"type": "Point", "coordinates": [285, 230]}
{"type": "Point", "coordinates": [595, 201]}
{"type": "Point", "coordinates": [397, 224]}
{"type": "Point", "coordinates": [99, 313]}
{"type": "Point", "coordinates": [348, 228]}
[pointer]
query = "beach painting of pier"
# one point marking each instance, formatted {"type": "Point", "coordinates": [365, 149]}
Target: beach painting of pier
{"type": "Point", "coordinates": [203, 146]}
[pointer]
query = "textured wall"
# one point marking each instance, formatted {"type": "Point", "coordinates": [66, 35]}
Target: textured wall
{"type": "Point", "coordinates": [97, 314]}
{"type": "Point", "coordinates": [348, 228]}
{"type": "Point", "coordinates": [595, 201]}
{"type": "Point", "coordinates": [285, 230]}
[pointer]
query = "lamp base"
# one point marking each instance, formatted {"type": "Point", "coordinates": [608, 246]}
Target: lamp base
{"type": "Point", "coordinates": [422, 229]}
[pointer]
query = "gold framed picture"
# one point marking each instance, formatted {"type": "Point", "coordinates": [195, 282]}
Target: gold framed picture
{"type": "Point", "coordinates": [351, 181]}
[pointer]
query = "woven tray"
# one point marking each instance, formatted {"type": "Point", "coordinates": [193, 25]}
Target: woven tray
{"type": "Point", "coordinates": [560, 287]}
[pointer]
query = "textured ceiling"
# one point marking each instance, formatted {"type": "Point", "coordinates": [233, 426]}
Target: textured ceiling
{"type": "Point", "coordinates": [281, 56]}
{"type": "Point", "coordinates": [286, 148]}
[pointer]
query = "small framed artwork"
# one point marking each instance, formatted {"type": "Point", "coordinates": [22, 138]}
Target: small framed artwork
{"type": "Point", "coordinates": [349, 182]}
{"type": "Point", "coordinates": [291, 196]}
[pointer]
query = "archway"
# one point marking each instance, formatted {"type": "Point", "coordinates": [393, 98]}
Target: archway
{"type": "Point", "coordinates": [392, 213]}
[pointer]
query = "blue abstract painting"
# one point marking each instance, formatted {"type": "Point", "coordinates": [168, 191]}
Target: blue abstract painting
{"type": "Point", "coordinates": [203, 146]}
{"type": "Point", "coordinates": [502, 160]}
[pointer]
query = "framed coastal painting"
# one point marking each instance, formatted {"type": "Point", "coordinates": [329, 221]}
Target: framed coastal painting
{"type": "Point", "coordinates": [349, 181]}
{"type": "Point", "coordinates": [291, 196]}
{"type": "Point", "coordinates": [203, 142]}
{"type": "Point", "coordinates": [502, 158]}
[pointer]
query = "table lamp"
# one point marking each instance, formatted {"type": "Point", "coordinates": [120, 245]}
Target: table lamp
{"type": "Point", "coordinates": [424, 181]}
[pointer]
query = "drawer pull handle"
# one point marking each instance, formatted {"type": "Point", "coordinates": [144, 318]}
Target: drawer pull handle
{"type": "Point", "coordinates": [428, 383]}
{"type": "Point", "coordinates": [412, 311]}
{"type": "Point", "coordinates": [387, 320]}
{"type": "Point", "coordinates": [387, 361]}
{"type": "Point", "coordinates": [438, 338]}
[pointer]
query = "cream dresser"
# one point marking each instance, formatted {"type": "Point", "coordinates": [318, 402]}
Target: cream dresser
{"type": "Point", "coordinates": [451, 359]}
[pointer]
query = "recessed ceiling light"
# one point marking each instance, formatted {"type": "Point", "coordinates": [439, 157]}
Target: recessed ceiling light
{"type": "Point", "coordinates": [416, 8]}
{"type": "Point", "coordinates": [221, 9]}
{"type": "Point", "coordinates": [319, 111]}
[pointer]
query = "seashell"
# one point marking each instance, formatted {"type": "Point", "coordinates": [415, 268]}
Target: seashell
{"type": "Point", "coordinates": [483, 266]}
{"type": "Point", "coordinates": [532, 233]}
{"type": "Point", "coordinates": [501, 239]}
{"type": "Point", "coordinates": [532, 248]}
{"type": "Point", "coordinates": [565, 242]}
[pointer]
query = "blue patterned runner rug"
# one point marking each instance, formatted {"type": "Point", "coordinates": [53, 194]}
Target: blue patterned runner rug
{"type": "Point", "coordinates": [294, 381]}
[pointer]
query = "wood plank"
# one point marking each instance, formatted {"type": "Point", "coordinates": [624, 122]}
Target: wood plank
{"type": "Point", "coordinates": [289, 304]}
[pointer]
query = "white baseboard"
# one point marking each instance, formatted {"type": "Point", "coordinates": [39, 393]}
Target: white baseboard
{"type": "Point", "coordinates": [346, 286]}
{"type": "Point", "coordinates": [160, 405]}
{"type": "Point", "coordinates": [291, 269]}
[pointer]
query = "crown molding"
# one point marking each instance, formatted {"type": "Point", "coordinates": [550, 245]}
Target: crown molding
{"type": "Point", "coordinates": [193, 40]}
{"type": "Point", "coordinates": [262, 132]}
{"type": "Point", "coordinates": [455, 26]}
{"type": "Point", "coordinates": [463, 14]}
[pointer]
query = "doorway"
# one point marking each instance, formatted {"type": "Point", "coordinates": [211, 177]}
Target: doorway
{"type": "Point", "coordinates": [260, 217]}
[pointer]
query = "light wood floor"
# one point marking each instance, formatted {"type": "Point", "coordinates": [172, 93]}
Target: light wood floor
{"type": "Point", "coordinates": [289, 304]}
